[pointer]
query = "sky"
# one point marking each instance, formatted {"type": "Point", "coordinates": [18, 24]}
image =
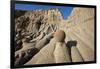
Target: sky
{"type": "Point", "coordinates": [65, 10]}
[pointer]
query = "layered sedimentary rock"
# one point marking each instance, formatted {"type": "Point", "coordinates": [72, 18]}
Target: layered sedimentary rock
{"type": "Point", "coordinates": [38, 20]}
{"type": "Point", "coordinates": [37, 43]}
{"type": "Point", "coordinates": [79, 27]}
{"type": "Point", "coordinates": [33, 30]}
{"type": "Point", "coordinates": [54, 52]}
{"type": "Point", "coordinates": [33, 23]}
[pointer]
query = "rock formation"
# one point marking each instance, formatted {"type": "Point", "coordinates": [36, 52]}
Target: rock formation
{"type": "Point", "coordinates": [80, 28]}
{"type": "Point", "coordinates": [37, 40]}
{"type": "Point", "coordinates": [55, 52]}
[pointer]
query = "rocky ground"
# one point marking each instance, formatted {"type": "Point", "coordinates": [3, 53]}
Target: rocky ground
{"type": "Point", "coordinates": [36, 43]}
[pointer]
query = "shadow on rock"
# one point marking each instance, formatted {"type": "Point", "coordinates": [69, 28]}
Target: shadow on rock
{"type": "Point", "coordinates": [70, 44]}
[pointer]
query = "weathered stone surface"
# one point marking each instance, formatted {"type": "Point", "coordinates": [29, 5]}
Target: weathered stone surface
{"type": "Point", "coordinates": [61, 53]}
{"type": "Point", "coordinates": [55, 52]}
{"type": "Point", "coordinates": [37, 43]}
{"type": "Point", "coordinates": [75, 55]}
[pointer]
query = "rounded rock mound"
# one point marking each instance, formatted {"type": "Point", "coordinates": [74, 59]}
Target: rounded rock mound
{"type": "Point", "coordinates": [59, 35]}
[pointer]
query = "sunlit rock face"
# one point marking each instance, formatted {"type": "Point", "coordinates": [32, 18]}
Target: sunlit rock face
{"type": "Point", "coordinates": [33, 21]}
{"type": "Point", "coordinates": [80, 27]}
{"type": "Point", "coordinates": [54, 52]}
{"type": "Point", "coordinates": [37, 28]}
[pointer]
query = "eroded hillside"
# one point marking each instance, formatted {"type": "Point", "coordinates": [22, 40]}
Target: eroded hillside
{"type": "Point", "coordinates": [33, 26]}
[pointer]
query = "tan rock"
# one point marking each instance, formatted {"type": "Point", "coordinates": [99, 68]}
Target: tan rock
{"type": "Point", "coordinates": [49, 53]}
{"type": "Point", "coordinates": [75, 55]}
{"type": "Point", "coordinates": [61, 53]}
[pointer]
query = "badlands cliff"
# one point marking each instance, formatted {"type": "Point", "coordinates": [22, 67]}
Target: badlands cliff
{"type": "Point", "coordinates": [32, 26]}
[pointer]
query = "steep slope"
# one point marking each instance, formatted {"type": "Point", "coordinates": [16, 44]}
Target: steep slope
{"type": "Point", "coordinates": [34, 28]}
{"type": "Point", "coordinates": [79, 27]}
